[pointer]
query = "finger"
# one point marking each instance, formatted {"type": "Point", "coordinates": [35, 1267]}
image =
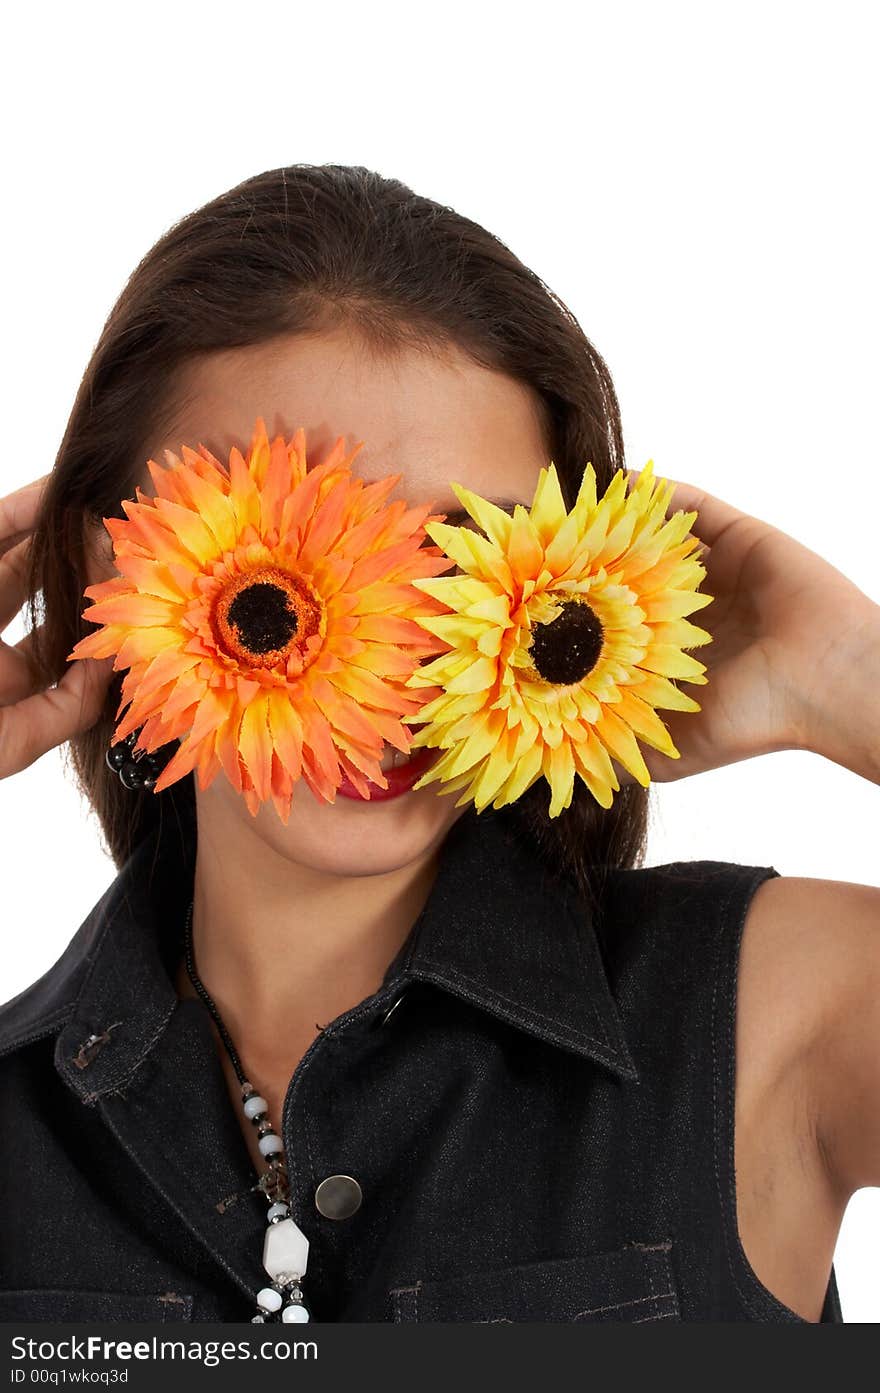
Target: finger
{"type": "Point", "coordinates": [19, 671]}
{"type": "Point", "coordinates": [714, 516]}
{"type": "Point", "coordinates": [17, 679]}
{"type": "Point", "coordinates": [40, 722]}
{"type": "Point", "coordinates": [18, 512]}
{"type": "Point", "coordinates": [13, 581]}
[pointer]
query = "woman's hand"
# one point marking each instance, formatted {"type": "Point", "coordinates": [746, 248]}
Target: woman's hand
{"type": "Point", "coordinates": [790, 638]}
{"type": "Point", "coordinates": [33, 721]}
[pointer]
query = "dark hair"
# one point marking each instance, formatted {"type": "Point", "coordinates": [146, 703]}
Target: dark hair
{"type": "Point", "coordinates": [290, 250]}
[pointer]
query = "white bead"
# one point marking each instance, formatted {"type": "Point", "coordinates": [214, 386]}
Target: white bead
{"type": "Point", "coordinates": [294, 1313]}
{"type": "Point", "coordinates": [285, 1250]}
{"type": "Point", "coordinates": [276, 1210]}
{"type": "Point", "coordinates": [269, 1299]}
{"type": "Point", "coordinates": [269, 1143]}
{"type": "Point", "coordinates": [254, 1105]}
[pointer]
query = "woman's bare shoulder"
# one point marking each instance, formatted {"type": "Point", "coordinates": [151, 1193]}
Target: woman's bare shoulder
{"type": "Point", "coordinates": [808, 1014]}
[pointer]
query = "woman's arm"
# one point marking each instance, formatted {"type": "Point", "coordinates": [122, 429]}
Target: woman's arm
{"type": "Point", "coordinates": [840, 716]}
{"type": "Point", "coordinates": [795, 664]}
{"type": "Point", "coordinates": [819, 941]}
{"type": "Point", "coordinates": [839, 923]}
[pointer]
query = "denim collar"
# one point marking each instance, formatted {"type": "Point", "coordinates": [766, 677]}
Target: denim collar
{"type": "Point", "coordinates": [504, 933]}
{"type": "Point", "coordinates": [498, 930]}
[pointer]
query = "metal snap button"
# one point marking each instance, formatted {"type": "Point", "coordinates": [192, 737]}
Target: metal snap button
{"type": "Point", "coordinates": [392, 1008]}
{"type": "Point", "coordinates": [338, 1197]}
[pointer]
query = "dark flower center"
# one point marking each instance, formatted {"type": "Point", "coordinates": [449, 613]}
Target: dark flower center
{"type": "Point", "coordinates": [568, 648]}
{"type": "Point", "coordinates": [263, 616]}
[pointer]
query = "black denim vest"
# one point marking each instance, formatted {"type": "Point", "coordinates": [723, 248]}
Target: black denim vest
{"type": "Point", "coordinates": [537, 1104]}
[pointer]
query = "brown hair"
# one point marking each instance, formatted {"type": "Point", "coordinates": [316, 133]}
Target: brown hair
{"type": "Point", "coordinates": [290, 250]}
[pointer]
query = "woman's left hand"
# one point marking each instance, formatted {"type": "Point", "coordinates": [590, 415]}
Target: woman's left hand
{"type": "Point", "coordinates": [794, 661]}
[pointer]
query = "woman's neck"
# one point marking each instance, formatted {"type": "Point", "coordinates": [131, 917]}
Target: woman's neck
{"type": "Point", "coordinates": [282, 948]}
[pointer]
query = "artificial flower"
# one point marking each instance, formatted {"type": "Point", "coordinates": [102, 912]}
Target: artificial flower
{"type": "Point", "coordinates": [565, 631]}
{"type": "Point", "coordinates": [267, 619]}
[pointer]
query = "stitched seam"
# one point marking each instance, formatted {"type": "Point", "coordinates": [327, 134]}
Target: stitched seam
{"type": "Point", "coordinates": [305, 1065]}
{"type": "Point", "coordinates": [399, 1294]}
{"type": "Point", "coordinates": [464, 980]}
{"type": "Point", "coordinates": [120, 1080]}
{"type": "Point", "coordinates": [84, 985]}
{"type": "Point", "coordinates": [198, 1195]}
{"type": "Point", "coordinates": [673, 1286]}
{"type": "Point", "coordinates": [619, 1305]}
{"type": "Point", "coordinates": [716, 1103]}
{"type": "Point", "coordinates": [516, 1013]}
{"type": "Point", "coordinates": [728, 1214]}
{"type": "Point", "coordinates": [584, 966]}
{"type": "Point", "coordinates": [647, 1264]}
{"type": "Point", "coordinates": [43, 1027]}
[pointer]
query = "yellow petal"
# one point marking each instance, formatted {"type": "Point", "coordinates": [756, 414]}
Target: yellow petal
{"type": "Point", "coordinates": [619, 739]}
{"type": "Point", "coordinates": [672, 604]}
{"type": "Point", "coordinates": [561, 769]}
{"type": "Point", "coordinates": [669, 661]}
{"type": "Point", "coordinates": [597, 772]}
{"type": "Point", "coordinates": [659, 691]}
{"type": "Point", "coordinates": [495, 522]}
{"type": "Point", "coordinates": [548, 506]}
{"type": "Point", "coordinates": [524, 773]}
{"type": "Point", "coordinates": [492, 775]}
{"type": "Point", "coordinates": [493, 607]}
{"type": "Point", "coordinates": [525, 552]}
{"type": "Point", "coordinates": [681, 634]}
{"type": "Point", "coordinates": [478, 676]}
{"type": "Point", "coordinates": [645, 722]}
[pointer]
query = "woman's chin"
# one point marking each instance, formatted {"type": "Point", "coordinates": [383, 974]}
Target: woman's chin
{"type": "Point", "coordinates": [352, 835]}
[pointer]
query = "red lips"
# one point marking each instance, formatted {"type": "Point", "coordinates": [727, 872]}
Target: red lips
{"type": "Point", "coordinates": [400, 779]}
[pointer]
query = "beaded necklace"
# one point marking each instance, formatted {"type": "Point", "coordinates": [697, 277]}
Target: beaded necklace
{"type": "Point", "coordinates": [285, 1246]}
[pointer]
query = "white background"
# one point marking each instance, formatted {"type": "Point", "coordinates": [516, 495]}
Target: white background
{"type": "Point", "coordinates": [697, 183]}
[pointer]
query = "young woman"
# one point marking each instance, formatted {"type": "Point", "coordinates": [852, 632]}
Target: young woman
{"type": "Point", "coordinates": [507, 1072]}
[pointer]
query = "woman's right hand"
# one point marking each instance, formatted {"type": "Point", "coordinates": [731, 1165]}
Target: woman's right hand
{"type": "Point", "coordinates": [34, 721]}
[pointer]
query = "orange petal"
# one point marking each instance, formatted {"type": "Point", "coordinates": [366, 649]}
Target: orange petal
{"type": "Point", "coordinates": [227, 750]}
{"type": "Point", "coordinates": [524, 551]}
{"type": "Point", "coordinates": [181, 763]}
{"type": "Point", "coordinates": [255, 744]}
{"type": "Point", "coordinates": [243, 492]}
{"type": "Point", "coordinates": [318, 745]}
{"type": "Point", "coordinates": [286, 730]}
{"type": "Point", "coordinates": [276, 487]}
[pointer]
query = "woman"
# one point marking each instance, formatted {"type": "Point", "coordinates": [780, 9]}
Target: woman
{"type": "Point", "coordinates": [516, 1074]}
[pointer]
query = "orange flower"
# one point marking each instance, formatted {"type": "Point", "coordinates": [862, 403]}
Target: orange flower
{"type": "Point", "coordinates": [266, 614]}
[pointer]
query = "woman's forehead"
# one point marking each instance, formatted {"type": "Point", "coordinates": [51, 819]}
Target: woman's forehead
{"type": "Point", "coordinates": [433, 417]}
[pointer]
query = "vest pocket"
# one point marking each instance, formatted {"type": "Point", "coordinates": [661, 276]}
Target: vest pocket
{"type": "Point", "coordinates": [38, 1303]}
{"type": "Point", "coordinates": [634, 1283]}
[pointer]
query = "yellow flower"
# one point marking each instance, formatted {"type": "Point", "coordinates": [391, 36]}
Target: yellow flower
{"type": "Point", "coordinates": [265, 613]}
{"type": "Point", "coordinates": [565, 632]}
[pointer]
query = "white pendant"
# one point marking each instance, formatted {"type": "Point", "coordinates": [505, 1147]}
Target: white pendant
{"type": "Point", "coordinates": [285, 1250]}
